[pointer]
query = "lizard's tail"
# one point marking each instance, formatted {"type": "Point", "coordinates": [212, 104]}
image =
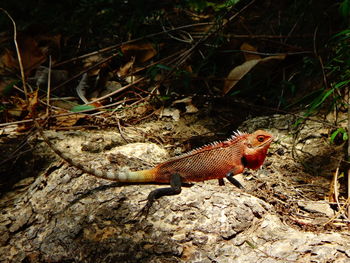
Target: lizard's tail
{"type": "Point", "coordinates": [127, 176]}
{"type": "Point", "coordinates": [122, 175]}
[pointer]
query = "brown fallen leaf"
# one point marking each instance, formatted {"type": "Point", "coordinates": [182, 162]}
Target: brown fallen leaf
{"type": "Point", "coordinates": [237, 73]}
{"type": "Point", "coordinates": [249, 56]}
{"type": "Point", "coordinates": [68, 120]}
{"type": "Point", "coordinates": [33, 53]}
{"type": "Point", "coordinates": [126, 69]}
{"type": "Point", "coordinates": [28, 109]}
{"type": "Point", "coordinates": [141, 51]}
{"type": "Point", "coordinates": [17, 107]}
{"type": "Point", "coordinates": [190, 108]}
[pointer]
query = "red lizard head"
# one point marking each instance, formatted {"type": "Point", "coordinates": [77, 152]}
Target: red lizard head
{"type": "Point", "coordinates": [256, 146]}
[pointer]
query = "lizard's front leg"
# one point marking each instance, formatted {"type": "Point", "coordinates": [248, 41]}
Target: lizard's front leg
{"type": "Point", "coordinates": [174, 189]}
{"type": "Point", "coordinates": [232, 180]}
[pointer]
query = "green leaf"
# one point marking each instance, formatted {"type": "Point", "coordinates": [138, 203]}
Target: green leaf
{"type": "Point", "coordinates": [341, 36]}
{"type": "Point", "coordinates": [79, 108]}
{"type": "Point", "coordinates": [318, 101]}
{"type": "Point", "coordinates": [339, 130]}
{"type": "Point", "coordinates": [341, 84]}
{"type": "Point", "coordinates": [161, 66]}
{"type": "Point", "coordinates": [9, 87]}
{"type": "Point", "coordinates": [344, 8]}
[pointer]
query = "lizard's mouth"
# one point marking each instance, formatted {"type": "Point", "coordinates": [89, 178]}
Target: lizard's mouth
{"type": "Point", "coordinates": [268, 141]}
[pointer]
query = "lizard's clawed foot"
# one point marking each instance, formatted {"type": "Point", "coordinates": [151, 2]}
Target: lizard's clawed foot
{"type": "Point", "coordinates": [174, 189]}
{"type": "Point", "coordinates": [144, 211]}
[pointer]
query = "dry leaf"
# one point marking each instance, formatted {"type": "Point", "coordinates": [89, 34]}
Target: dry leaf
{"type": "Point", "coordinates": [18, 107]}
{"type": "Point", "coordinates": [28, 109]}
{"type": "Point", "coordinates": [23, 108]}
{"type": "Point", "coordinates": [190, 108]}
{"type": "Point", "coordinates": [141, 51]}
{"type": "Point", "coordinates": [240, 71]}
{"type": "Point", "coordinates": [33, 101]}
{"type": "Point", "coordinates": [249, 56]}
{"type": "Point", "coordinates": [125, 70]}
{"type": "Point", "coordinates": [68, 121]}
{"type": "Point", "coordinates": [91, 61]}
{"type": "Point", "coordinates": [82, 87]}
{"type": "Point", "coordinates": [32, 56]}
{"type": "Point", "coordinates": [7, 61]}
{"type": "Point", "coordinates": [33, 52]}
{"type": "Point", "coordinates": [142, 109]}
{"type": "Point", "coordinates": [171, 112]}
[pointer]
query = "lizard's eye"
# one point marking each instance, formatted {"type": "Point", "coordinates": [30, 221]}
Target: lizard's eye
{"type": "Point", "coordinates": [261, 138]}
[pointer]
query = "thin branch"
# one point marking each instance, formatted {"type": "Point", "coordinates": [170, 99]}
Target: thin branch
{"type": "Point", "coordinates": [267, 36]}
{"type": "Point", "coordinates": [210, 32]}
{"type": "Point", "coordinates": [156, 62]}
{"type": "Point", "coordinates": [268, 54]}
{"type": "Point", "coordinates": [18, 53]}
{"type": "Point", "coordinates": [320, 59]}
{"type": "Point", "coordinates": [48, 88]}
{"type": "Point", "coordinates": [84, 71]}
{"type": "Point", "coordinates": [118, 90]}
{"type": "Point", "coordinates": [103, 50]}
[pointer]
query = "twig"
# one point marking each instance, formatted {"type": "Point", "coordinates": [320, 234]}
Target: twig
{"type": "Point", "coordinates": [339, 212]}
{"type": "Point", "coordinates": [60, 115]}
{"type": "Point", "coordinates": [187, 41]}
{"type": "Point", "coordinates": [118, 90]}
{"type": "Point", "coordinates": [131, 41]}
{"type": "Point", "coordinates": [320, 59]}
{"type": "Point", "coordinates": [156, 62]}
{"type": "Point", "coordinates": [269, 36]}
{"type": "Point", "coordinates": [48, 88]}
{"type": "Point", "coordinates": [269, 54]}
{"type": "Point", "coordinates": [266, 108]}
{"type": "Point", "coordinates": [211, 31]}
{"type": "Point", "coordinates": [292, 29]}
{"type": "Point", "coordinates": [335, 187]}
{"type": "Point", "coordinates": [84, 71]}
{"type": "Point", "coordinates": [240, 11]}
{"type": "Point", "coordinates": [121, 132]}
{"type": "Point", "coordinates": [18, 54]}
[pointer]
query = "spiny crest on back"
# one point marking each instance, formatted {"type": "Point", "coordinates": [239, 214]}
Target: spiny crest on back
{"type": "Point", "coordinates": [237, 135]}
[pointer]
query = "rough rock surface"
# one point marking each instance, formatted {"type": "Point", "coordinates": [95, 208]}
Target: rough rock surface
{"type": "Point", "coordinates": [66, 216]}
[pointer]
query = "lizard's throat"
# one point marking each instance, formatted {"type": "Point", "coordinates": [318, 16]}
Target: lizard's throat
{"type": "Point", "coordinates": [255, 161]}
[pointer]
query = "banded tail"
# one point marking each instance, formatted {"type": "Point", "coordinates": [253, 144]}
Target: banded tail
{"type": "Point", "coordinates": [127, 176]}
{"type": "Point", "coordinates": [123, 175]}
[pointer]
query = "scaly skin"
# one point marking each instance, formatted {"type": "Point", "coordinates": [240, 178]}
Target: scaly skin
{"type": "Point", "coordinates": [214, 161]}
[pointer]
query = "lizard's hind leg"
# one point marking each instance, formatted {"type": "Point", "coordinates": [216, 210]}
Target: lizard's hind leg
{"type": "Point", "coordinates": [174, 189]}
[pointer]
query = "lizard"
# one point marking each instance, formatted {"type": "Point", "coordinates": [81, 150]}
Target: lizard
{"type": "Point", "coordinates": [218, 160]}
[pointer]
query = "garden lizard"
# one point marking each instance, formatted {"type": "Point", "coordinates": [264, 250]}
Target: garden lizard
{"type": "Point", "coordinates": [217, 160]}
